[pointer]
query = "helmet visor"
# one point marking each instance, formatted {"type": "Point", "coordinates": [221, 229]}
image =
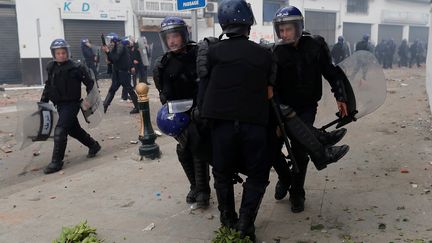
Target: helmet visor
{"type": "Point", "coordinates": [287, 30]}
{"type": "Point", "coordinates": [174, 38]}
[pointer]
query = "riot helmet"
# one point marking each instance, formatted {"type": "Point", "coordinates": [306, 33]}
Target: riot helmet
{"type": "Point", "coordinates": [171, 124]}
{"type": "Point", "coordinates": [235, 17]}
{"type": "Point", "coordinates": [288, 25]}
{"type": "Point", "coordinates": [60, 44]}
{"type": "Point", "coordinates": [174, 34]}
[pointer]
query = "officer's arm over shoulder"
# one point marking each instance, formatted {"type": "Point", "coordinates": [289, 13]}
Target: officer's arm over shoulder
{"type": "Point", "coordinates": [330, 71]}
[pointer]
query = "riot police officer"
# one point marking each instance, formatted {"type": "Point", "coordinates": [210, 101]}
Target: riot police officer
{"type": "Point", "coordinates": [302, 60]}
{"type": "Point", "coordinates": [364, 44]}
{"type": "Point", "coordinates": [234, 89]}
{"type": "Point", "coordinates": [89, 55]}
{"type": "Point", "coordinates": [403, 53]}
{"type": "Point", "coordinates": [340, 50]}
{"type": "Point", "coordinates": [121, 67]}
{"type": "Point", "coordinates": [175, 78]}
{"type": "Point", "coordinates": [63, 88]}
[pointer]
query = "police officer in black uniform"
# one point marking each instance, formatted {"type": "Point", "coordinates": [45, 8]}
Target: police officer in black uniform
{"type": "Point", "coordinates": [302, 60]}
{"type": "Point", "coordinates": [403, 53]}
{"type": "Point", "coordinates": [63, 88]}
{"type": "Point", "coordinates": [364, 44]}
{"type": "Point", "coordinates": [121, 67]}
{"type": "Point", "coordinates": [340, 50]}
{"type": "Point", "coordinates": [235, 85]}
{"type": "Point", "coordinates": [90, 57]}
{"type": "Point", "coordinates": [175, 78]}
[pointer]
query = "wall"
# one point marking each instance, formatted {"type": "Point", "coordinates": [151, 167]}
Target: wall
{"type": "Point", "coordinates": [51, 26]}
{"type": "Point", "coordinates": [374, 16]}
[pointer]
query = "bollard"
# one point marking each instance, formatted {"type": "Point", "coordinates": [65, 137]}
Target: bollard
{"type": "Point", "coordinates": [148, 149]}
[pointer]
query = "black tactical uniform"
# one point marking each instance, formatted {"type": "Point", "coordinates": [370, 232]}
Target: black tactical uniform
{"type": "Point", "coordinates": [175, 78]}
{"type": "Point", "coordinates": [63, 88]}
{"type": "Point", "coordinates": [234, 99]}
{"type": "Point", "coordinates": [299, 85]}
{"type": "Point", "coordinates": [121, 65]}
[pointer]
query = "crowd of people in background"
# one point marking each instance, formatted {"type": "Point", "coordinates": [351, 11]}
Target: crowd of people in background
{"type": "Point", "coordinates": [140, 57]}
{"type": "Point", "coordinates": [387, 51]}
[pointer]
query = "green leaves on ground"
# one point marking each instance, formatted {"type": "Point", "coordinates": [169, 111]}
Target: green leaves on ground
{"type": "Point", "coordinates": [80, 233]}
{"type": "Point", "coordinates": [227, 235]}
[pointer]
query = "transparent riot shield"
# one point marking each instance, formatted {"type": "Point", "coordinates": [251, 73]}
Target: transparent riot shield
{"type": "Point", "coordinates": [178, 106]}
{"type": "Point", "coordinates": [36, 122]}
{"type": "Point", "coordinates": [91, 107]}
{"type": "Point", "coordinates": [145, 50]}
{"type": "Point", "coordinates": [368, 84]}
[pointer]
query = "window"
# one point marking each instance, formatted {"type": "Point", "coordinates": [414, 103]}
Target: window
{"type": "Point", "coordinates": [269, 9]}
{"type": "Point", "coordinates": [358, 6]}
{"type": "Point", "coordinates": [141, 5]}
{"type": "Point", "coordinates": [167, 6]}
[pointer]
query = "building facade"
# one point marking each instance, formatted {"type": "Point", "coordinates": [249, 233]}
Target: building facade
{"type": "Point", "coordinates": [76, 19]}
{"type": "Point", "coordinates": [46, 20]}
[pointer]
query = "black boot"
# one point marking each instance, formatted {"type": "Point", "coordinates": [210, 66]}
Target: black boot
{"type": "Point", "coordinates": [281, 190]}
{"type": "Point", "coordinates": [134, 99]}
{"type": "Point", "coordinates": [107, 101]}
{"type": "Point", "coordinates": [320, 155]}
{"type": "Point", "coordinates": [285, 176]}
{"type": "Point", "coordinates": [191, 196]}
{"type": "Point", "coordinates": [251, 201]}
{"type": "Point", "coordinates": [333, 154]}
{"type": "Point", "coordinates": [202, 179]}
{"type": "Point", "coordinates": [297, 204]}
{"type": "Point", "coordinates": [83, 137]}
{"type": "Point", "coordinates": [186, 162]}
{"type": "Point", "coordinates": [328, 138]}
{"type": "Point", "coordinates": [93, 150]}
{"type": "Point", "coordinates": [134, 111]}
{"type": "Point", "coordinates": [60, 142]}
{"type": "Point", "coordinates": [226, 205]}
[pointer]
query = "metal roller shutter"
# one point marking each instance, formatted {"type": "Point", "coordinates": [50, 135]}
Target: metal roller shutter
{"type": "Point", "coordinates": [75, 30]}
{"type": "Point", "coordinates": [386, 32]}
{"type": "Point", "coordinates": [10, 57]}
{"type": "Point", "coordinates": [353, 32]}
{"type": "Point", "coordinates": [321, 23]}
{"type": "Point", "coordinates": [418, 32]}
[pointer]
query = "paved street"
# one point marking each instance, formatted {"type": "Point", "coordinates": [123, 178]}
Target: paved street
{"type": "Point", "coordinates": [362, 198]}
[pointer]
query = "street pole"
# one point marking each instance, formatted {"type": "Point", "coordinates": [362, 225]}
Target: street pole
{"type": "Point", "coordinates": [194, 25]}
{"type": "Point", "coordinates": [148, 149]}
{"type": "Point", "coordinates": [39, 49]}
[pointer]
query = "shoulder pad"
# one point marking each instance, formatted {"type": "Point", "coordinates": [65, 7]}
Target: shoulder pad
{"type": "Point", "coordinates": [202, 58]}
